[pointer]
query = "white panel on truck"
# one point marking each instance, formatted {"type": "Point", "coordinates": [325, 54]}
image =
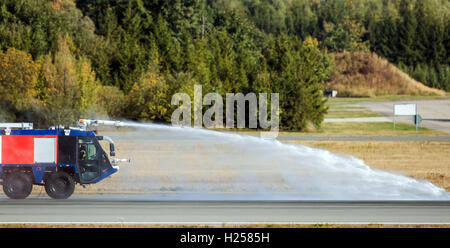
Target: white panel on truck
{"type": "Point", "coordinates": [45, 150]}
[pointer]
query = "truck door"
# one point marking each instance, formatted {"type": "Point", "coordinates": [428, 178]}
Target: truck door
{"type": "Point", "coordinates": [88, 151]}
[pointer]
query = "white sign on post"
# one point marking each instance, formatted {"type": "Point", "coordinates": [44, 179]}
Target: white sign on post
{"type": "Point", "coordinates": [405, 109]}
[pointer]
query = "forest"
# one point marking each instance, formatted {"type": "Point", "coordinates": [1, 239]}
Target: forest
{"type": "Point", "coordinates": [61, 60]}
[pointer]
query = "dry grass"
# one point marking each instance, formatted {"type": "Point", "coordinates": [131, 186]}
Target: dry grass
{"type": "Point", "coordinates": [367, 75]}
{"type": "Point", "coordinates": [429, 160]}
{"type": "Point", "coordinates": [355, 129]}
{"type": "Point", "coordinates": [351, 114]}
{"type": "Point", "coordinates": [375, 129]}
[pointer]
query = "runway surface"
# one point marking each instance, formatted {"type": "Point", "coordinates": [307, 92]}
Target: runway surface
{"type": "Point", "coordinates": [79, 210]}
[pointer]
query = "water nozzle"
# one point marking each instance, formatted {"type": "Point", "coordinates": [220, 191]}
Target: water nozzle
{"type": "Point", "coordinates": [121, 160]}
{"type": "Point", "coordinates": [85, 123]}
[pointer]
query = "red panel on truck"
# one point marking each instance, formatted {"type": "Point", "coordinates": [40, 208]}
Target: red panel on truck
{"type": "Point", "coordinates": [19, 149]}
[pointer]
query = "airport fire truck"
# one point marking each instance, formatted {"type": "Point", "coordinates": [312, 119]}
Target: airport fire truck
{"type": "Point", "coordinates": [56, 158]}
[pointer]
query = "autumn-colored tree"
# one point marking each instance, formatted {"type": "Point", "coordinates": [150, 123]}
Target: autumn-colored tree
{"type": "Point", "coordinates": [111, 100]}
{"type": "Point", "coordinates": [18, 78]}
{"type": "Point", "coordinates": [148, 98]}
{"type": "Point", "coordinates": [87, 85]}
{"type": "Point", "coordinates": [70, 86]}
{"type": "Point", "coordinates": [344, 36]}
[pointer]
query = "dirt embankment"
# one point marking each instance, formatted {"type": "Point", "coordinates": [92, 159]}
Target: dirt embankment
{"type": "Point", "coordinates": [360, 74]}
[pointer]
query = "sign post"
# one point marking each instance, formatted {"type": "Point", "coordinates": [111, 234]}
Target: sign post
{"type": "Point", "coordinates": [417, 119]}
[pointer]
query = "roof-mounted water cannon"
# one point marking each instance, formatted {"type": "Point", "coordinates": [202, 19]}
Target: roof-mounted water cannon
{"type": "Point", "coordinates": [86, 123]}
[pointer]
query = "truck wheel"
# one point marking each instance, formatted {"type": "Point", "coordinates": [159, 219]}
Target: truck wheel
{"type": "Point", "coordinates": [59, 185]}
{"type": "Point", "coordinates": [17, 185]}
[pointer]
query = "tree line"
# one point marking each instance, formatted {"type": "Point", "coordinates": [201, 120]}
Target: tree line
{"type": "Point", "coordinates": [63, 59]}
{"type": "Point", "coordinates": [413, 34]}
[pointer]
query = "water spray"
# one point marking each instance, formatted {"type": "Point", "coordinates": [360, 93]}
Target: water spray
{"type": "Point", "coordinates": [196, 163]}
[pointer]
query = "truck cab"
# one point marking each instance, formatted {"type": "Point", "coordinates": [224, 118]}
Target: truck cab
{"type": "Point", "coordinates": [92, 163]}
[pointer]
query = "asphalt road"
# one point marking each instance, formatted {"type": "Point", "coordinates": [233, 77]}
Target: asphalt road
{"type": "Point", "coordinates": [435, 113]}
{"type": "Point", "coordinates": [88, 210]}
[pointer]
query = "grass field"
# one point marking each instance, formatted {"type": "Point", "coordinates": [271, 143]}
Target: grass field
{"type": "Point", "coordinates": [351, 114]}
{"type": "Point", "coordinates": [373, 129]}
{"type": "Point", "coordinates": [355, 129]}
{"type": "Point", "coordinates": [354, 100]}
{"type": "Point", "coordinates": [421, 160]}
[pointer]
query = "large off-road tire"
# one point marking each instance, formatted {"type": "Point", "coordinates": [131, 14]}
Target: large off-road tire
{"type": "Point", "coordinates": [17, 185]}
{"type": "Point", "coordinates": [59, 185]}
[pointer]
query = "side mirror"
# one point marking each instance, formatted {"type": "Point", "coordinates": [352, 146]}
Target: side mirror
{"type": "Point", "coordinates": [111, 150]}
